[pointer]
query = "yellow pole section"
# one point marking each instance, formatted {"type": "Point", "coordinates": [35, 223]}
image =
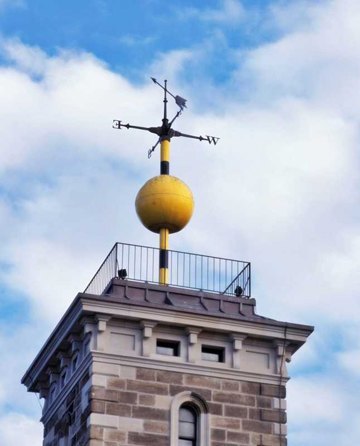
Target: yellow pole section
{"type": "Point", "coordinates": [165, 150]}
{"type": "Point", "coordinates": [164, 259]}
{"type": "Point", "coordinates": [164, 239]}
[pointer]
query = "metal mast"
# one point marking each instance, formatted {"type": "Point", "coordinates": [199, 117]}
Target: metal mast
{"type": "Point", "coordinates": [165, 204]}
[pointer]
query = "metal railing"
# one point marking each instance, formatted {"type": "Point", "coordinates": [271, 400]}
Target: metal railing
{"type": "Point", "coordinates": [186, 270]}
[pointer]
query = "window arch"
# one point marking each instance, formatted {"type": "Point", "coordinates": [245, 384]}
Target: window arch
{"type": "Point", "coordinates": [189, 420]}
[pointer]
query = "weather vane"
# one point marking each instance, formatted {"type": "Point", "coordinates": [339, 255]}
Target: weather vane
{"type": "Point", "coordinates": [165, 131]}
{"type": "Point", "coordinates": [165, 203]}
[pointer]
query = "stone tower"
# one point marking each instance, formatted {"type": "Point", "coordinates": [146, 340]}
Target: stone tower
{"type": "Point", "coordinates": [148, 364]}
{"type": "Point", "coordinates": [165, 348]}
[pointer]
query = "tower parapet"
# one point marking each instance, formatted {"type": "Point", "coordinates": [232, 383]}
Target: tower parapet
{"type": "Point", "coordinates": [120, 367]}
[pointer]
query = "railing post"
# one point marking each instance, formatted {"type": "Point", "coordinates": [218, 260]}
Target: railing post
{"type": "Point", "coordinates": [116, 260]}
{"type": "Point", "coordinates": [249, 279]}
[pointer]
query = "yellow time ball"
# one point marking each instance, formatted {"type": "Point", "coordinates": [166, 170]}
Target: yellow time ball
{"type": "Point", "coordinates": [164, 202]}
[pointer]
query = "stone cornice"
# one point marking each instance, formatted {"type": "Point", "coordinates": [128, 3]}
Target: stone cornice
{"type": "Point", "coordinates": [86, 306]}
{"type": "Point", "coordinates": [52, 344]}
{"type": "Point", "coordinates": [262, 328]}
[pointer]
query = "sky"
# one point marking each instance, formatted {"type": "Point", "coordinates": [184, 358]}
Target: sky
{"type": "Point", "coordinates": [278, 82]}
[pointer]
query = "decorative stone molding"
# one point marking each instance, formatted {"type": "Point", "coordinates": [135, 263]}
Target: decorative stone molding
{"type": "Point", "coordinates": [44, 390]}
{"type": "Point", "coordinates": [53, 375]}
{"type": "Point", "coordinates": [283, 356]}
{"type": "Point", "coordinates": [75, 342]}
{"type": "Point", "coordinates": [102, 321]}
{"type": "Point", "coordinates": [148, 327]}
{"type": "Point", "coordinates": [89, 333]}
{"type": "Point", "coordinates": [192, 333]}
{"type": "Point", "coordinates": [237, 346]}
{"type": "Point", "coordinates": [64, 359]}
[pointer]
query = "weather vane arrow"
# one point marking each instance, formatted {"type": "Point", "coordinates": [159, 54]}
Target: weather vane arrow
{"type": "Point", "coordinates": [165, 131]}
{"type": "Point", "coordinates": [181, 102]}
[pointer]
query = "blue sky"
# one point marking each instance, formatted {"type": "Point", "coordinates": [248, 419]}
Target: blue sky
{"type": "Point", "coordinates": [126, 34]}
{"type": "Point", "coordinates": [278, 81]}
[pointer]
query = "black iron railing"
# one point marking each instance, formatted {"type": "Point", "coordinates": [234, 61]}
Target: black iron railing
{"type": "Point", "coordinates": [186, 270]}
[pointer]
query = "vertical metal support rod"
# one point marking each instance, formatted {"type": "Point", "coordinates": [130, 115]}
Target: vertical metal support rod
{"type": "Point", "coordinates": [164, 232]}
{"type": "Point", "coordinates": [165, 101]}
{"type": "Point", "coordinates": [164, 257]}
{"type": "Point", "coordinates": [116, 260]}
{"type": "Point", "coordinates": [249, 293]}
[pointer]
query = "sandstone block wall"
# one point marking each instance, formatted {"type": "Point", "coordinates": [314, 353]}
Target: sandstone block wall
{"type": "Point", "coordinates": [132, 406]}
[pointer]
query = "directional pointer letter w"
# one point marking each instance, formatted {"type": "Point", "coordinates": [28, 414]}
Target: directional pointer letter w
{"type": "Point", "coordinates": [212, 139]}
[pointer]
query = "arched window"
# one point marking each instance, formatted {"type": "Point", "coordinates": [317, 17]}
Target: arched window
{"type": "Point", "coordinates": [188, 424]}
{"type": "Point", "coordinates": [189, 420]}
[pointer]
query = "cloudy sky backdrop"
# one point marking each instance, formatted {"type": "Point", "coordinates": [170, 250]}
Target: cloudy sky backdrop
{"type": "Point", "coordinates": [278, 81]}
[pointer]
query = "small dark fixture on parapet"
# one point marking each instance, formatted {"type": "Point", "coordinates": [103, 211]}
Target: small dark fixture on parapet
{"type": "Point", "coordinates": [122, 274]}
{"type": "Point", "coordinates": [238, 291]}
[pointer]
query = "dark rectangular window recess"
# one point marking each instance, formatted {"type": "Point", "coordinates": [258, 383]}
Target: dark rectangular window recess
{"type": "Point", "coordinates": [212, 353]}
{"type": "Point", "coordinates": [167, 348]}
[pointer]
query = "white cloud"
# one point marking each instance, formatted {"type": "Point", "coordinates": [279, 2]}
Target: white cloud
{"type": "Point", "coordinates": [58, 158]}
{"type": "Point", "coordinates": [68, 108]}
{"type": "Point", "coordinates": [31, 59]}
{"type": "Point", "coordinates": [309, 396]}
{"type": "Point", "coordinates": [318, 59]}
{"type": "Point", "coordinates": [16, 428]}
{"type": "Point", "coordinates": [19, 412]}
{"type": "Point", "coordinates": [290, 164]}
{"type": "Point", "coordinates": [170, 65]}
{"type": "Point", "coordinates": [319, 406]}
{"type": "Point", "coordinates": [350, 361]}
{"type": "Point", "coordinates": [54, 255]}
